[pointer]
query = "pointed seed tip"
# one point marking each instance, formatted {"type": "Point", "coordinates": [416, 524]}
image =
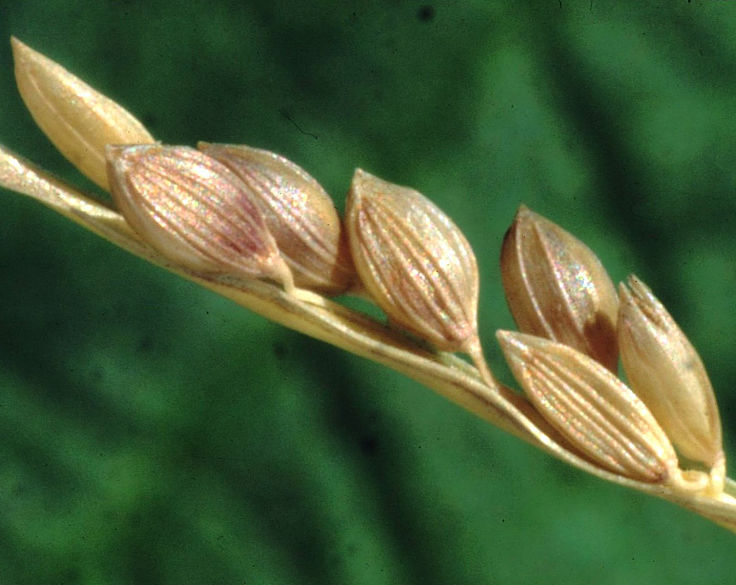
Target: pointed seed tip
{"type": "Point", "coordinates": [502, 335]}
{"type": "Point", "coordinates": [638, 288]}
{"type": "Point", "coordinates": [523, 211]}
{"type": "Point", "coordinates": [19, 50]}
{"type": "Point", "coordinates": [626, 302]}
{"type": "Point", "coordinates": [633, 280]}
{"type": "Point", "coordinates": [524, 215]}
{"type": "Point", "coordinates": [354, 193]}
{"type": "Point", "coordinates": [23, 53]}
{"type": "Point", "coordinates": [512, 341]}
{"type": "Point", "coordinates": [18, 45]}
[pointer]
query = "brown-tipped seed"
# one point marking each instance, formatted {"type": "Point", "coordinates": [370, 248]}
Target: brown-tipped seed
{"type": "Point", "coordinates": [665, 371]}
{"type": "Point", "coordinates": [299, 214]}
{"type": "Point", "coordinates": [558, 289]}
{"type": "Point", "coordinates": [79, 120]}
{"type": "Point", "coordinates": [194, 211]}
{"type": "Point", "coordinates": [414, 261]}
{"type": "Point", "coordinates": [592, 408]}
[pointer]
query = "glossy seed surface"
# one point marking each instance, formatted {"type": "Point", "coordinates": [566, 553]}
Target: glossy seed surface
{"type": "Point", "coordinates": [414, 261]}
{"type": "Point", "coordinates": [193, 210]}
{"type": "Point", "coordinates": [557, 288]}
{"type": "Point", "coordinates": [299, 214]}
{"type": "Point", "coordinates": [665, 370]}
{"type": "Point", "coordinates": [592, 408]}
{"type": "Point", "coordinates": [79, 120]}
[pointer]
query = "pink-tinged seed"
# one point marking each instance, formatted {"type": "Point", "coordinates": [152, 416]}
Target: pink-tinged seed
{"type": "Point", "coordinates": [194, 211]}
{"type": "Point", "coordinates": [298, 212]}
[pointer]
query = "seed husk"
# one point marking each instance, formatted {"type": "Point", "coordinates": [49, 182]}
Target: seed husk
{"type": "Point", "coordinates": [592, 408]}
{"type": "Point", "coordinates": [665, 370]}
{"type": "Point", "coordinates": [299, 214]}
{"type": "Point", "coordinates": [558, 289]}
{"type": "Point", "coordinates": [79, 120]}
{"type": "Point", "coordinates": [415, 263]}
{"type": "Point", "coordinates": [194, 211]}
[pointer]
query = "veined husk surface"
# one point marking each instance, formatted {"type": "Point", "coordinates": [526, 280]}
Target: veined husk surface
{"type": "Point", "coordinates": [320, 318]}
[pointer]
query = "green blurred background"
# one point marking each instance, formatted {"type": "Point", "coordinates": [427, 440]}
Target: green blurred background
{"type": "Point", "coordinates": [151, 432]}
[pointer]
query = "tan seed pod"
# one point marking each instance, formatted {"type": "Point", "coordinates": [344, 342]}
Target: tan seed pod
{"type": "Point", "coordinates": [298, 212]}
{"type": "Point", "coordinates": [592, 408]}
{"type": "Point", "coordinates": [79, 120]}
{"type": "Point", "coordinates": [194, 211]}
{"type": "Point", "coordinates": [415, 263]}
{"type": "Point", "coordinates": [664, 369]}
{"type": "Point", "coordinates": [558, 289]}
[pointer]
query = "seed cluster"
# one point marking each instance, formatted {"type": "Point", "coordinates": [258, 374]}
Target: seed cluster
{"type": "Point", "coordinates": [243, 212]}
{"type": "Point", "coordinates": [238, 213]}
{"type": "Point", "coordinates": [558, 290]}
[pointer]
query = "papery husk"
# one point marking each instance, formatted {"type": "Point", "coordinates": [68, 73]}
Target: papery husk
{"type": "Point", "coordinates": [194, 211]}
{"type": "Point", "coordinates": [667, 373]}
{"type": "Point", "coordinates": [299, 214]}
{"type": "Point", "coordinates": [415, 264]}
{"type": "Point", "coordinates": [414, 261]}
{"type": "Point", "coordinates": [79, 120]}
{"type": "Point", "coordinates": [591, 408]}
{"type": "Point", "coordinates": [558, 289]}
